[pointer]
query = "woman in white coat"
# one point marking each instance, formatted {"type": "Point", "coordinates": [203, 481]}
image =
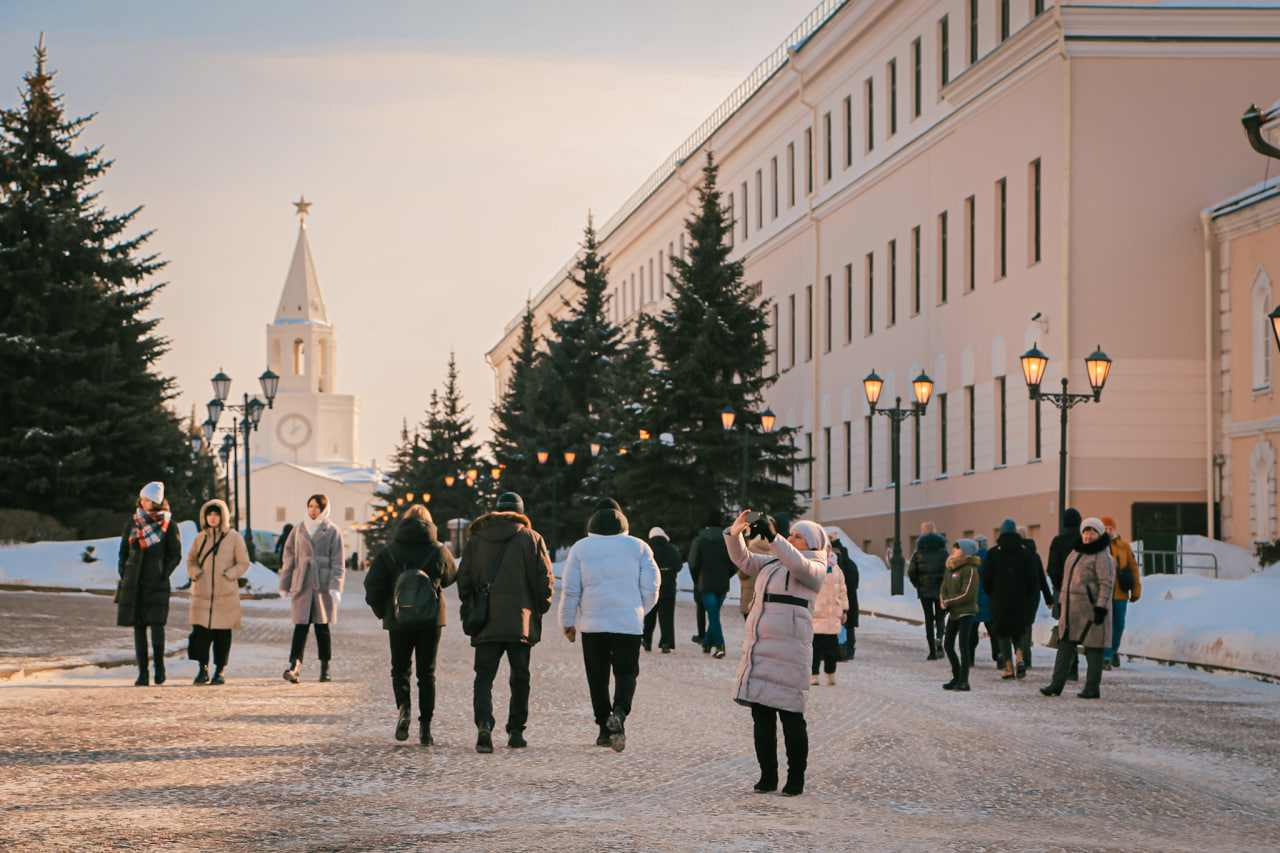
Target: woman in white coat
{"type": "Point", "coordinates": [215, 563]}
{"type": "Point", "coordinates": [829, 613]}
{"type": "Point", "coordinates": [777, 650]}
{"type": "Point", "coordinates": [312, 574]}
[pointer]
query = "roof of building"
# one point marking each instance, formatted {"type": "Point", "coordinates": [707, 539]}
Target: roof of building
{"type": "Point", "coordinates": [301, 300]}
{"type": "Point", "coordinates": [1269, 188]}
{"type": "Point", "coordinates": [346, 474]}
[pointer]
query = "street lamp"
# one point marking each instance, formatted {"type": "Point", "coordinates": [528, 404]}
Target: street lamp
{"type": "Point", "coordinates": [923, 387]}
{"type": "Point", "coordinates": [1097, 366]}
{"type": "Point", "coordinates": [543, 456]}
{"type": "Point", "coordinates": [767, 420]}
{"type": "Point", "coordinates": [228, 451]}
{"type": "Point", "coordinates": [250, 415]}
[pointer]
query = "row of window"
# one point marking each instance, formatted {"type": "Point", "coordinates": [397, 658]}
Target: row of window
{"type": "Point", "coordinates": [647, 283]}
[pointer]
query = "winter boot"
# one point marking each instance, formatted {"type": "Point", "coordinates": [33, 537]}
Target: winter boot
{"type": "Point", "coordinates": [484, 741]}
{"type": "Point", "coordinates": [768, 781]}
{"type": "Point", "coordinates": [718, 654]}
{"type": "Point", "coordinates": [294, 673]}
{"type": "Point", "coordinates": [424, 733]}
{"type": "Point", "coordinates": [1090, 693]}
{"type": "Point", "coordinates": [831, 679]}
{"type": "Point", "coordinates": [141, 651]}
{"type": "Point", "coordinates": [602, 739]}
{"type": "Point", "coordinates": [1008, 670]}
{"type": "Point", "coordinates": [144, 679]}
{"type": "Point", "coordinates": [324, 671]}
{"type": "Point", "coordinates": [219, 675]}
{"type": "Point", "coordinates": [617, 734]}
{"type": "Point", "coordinates": [202, 677]}
{"type": "Point", "coordinates": [1021, 668]}
{"type": "Point", "coordinates": [813, 680]}
{"type": "Point", "coordinates": [157, 651]}
{"type": "Point", "coordinates": [402, 723]}
{"type": "Point", "coordinates": [515, 739]}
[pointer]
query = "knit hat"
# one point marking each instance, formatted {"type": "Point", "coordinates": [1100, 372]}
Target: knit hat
{"type": "Point", "coordinates": [153, 491]}
{"type": "Point", "coordinates": [608, 503]}
{"type": "Point", "coordinates": [1071, 518]}
{"type": "Point", "coordinates": [1095, 524]}
{"type": "Point", "coordinates": [980, 541]}
{"type": "Point", "coordinates": [1008, 526]}
{"type": "Point", "coordinates": [967, 547]}
{"type": "Point", "coordinates": [814, 536]}
{"type": "Point", "coordinates": [658, 531]}
{"type": "Point", "coordinates": [510, 502]}
{"type": "Point", "coordinates": [1108, 521]}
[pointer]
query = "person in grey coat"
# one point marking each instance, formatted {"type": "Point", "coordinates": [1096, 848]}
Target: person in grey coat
{"type": "Point", "coordinates": [312, 575]}
{"type": "Point", "coordinates": [1088, 581]}
{"type": "Point", "coordinates": [777, 648]}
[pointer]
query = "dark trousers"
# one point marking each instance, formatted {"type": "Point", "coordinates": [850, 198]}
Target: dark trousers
{"type": "Point", "coordinates": [702, 614]}
{"type": "Point", "coordinates": [663, 616]}
{"type": "Point", "coordinates": [973, 642]}
{"type": "Point", "coordinates": [202, 638]}
{"type": "Point", "coordinates": [795, 734]}
{"type": "Point", "coordinates": [958, 630]}
{"type": "Point", "coordinates": [488, 656]}
{"type": "Point", "coordinates": [825, 647]}
{"type": "Point", "coordinates": [934, 617]}
{"type": "Point", "coordinates": [323, 646]}
{"type": "Point", "coordinates": [1003, 645]}
{"type": "Point", "coordinates": [1024, 644]}
{"type": "Point", "coordinates": [601, 654]}
{"type": "Point", "coordinates": [140, 649]}
{"type": "Point", "coordinates": [406, 645]}
{"type": "Point", "coordinates": [1066, 660]}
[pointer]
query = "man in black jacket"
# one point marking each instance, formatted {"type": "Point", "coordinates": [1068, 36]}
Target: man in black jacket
{"type": "Point", "coordinates": [709, 562]}
{"type": "Point", "coordinates": [1059, 549]}
{"type": "Point", "coordinates": [663, 614]}
{"type": "Point", "coordinates": [850, 570]}
{"type": "Point", "coordinates": [928, 565]}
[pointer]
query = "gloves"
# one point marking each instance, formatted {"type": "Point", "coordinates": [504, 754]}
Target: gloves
{"type": "Point", "coordinates": [764, 528]}
{"type": "Point", "coordinates": [336, 596]}
{"type": "Point", "coordinates": [1099, 615]}
{"type": "Point", "coordinates": [1056, 611]}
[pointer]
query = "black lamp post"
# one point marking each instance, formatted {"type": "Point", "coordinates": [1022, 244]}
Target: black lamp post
{"type": "Point", "coordinates": [250, 414]}
{"type": "Point", "coordinates": [923, 387]}
{"type": "Point", "coordinates": [767, 420]}
{"type": "Point", "coordinates": [228, 451]}
{"type": "Point", "coordinates": [556, 468]}
{"type": "Point", "coordinates": [1097, 366]}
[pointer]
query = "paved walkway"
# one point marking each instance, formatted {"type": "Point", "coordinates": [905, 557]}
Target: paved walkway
{"type": "Point", "coordinates": [1168, 760]}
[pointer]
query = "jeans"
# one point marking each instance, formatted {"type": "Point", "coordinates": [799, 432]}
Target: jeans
{"type": "Point", "coordinates": [488, 656]}
{"type": "Point", "coordinates": [601, 654]}
{"type": "Point", "coordinates": [715, 634]}
{"type": "Point", "coordinates": [933, 619]}
{"type": "Point", "coordinates": [406, 645]}
{"type": "Point", "coordinates": [1118, 609]}
{"type": "Point", "coordinates": [825, 647]}
{"type": "Point", "coordinates": [958, 630]}
{"type": "Point", "coordinates": [202, 638]}
{"type": "Point", "coordinates": [299, 645]}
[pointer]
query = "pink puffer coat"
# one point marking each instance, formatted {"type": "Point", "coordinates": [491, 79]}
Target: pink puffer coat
{"type": "Point", "coordinates": [832, 602]}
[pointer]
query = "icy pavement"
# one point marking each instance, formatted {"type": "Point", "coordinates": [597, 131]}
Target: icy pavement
{"type": "Point", "coordinates": [1168, 760]}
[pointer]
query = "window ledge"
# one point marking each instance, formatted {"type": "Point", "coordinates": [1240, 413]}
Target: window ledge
{"type": "Point", "coordinates": [1001, 467]}
{"type": "Point", "coordinates": [942, 477]}
{"type": "Point", "coordinates": [970, 471]}
{"type": "Point", "coordinates": [1035, 460]}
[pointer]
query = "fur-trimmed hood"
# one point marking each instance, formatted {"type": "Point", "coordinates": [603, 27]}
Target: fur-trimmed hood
{"type": "Point", "coordinates": [221, 506]}
{"type": "Point", "coordinates": [498, 526]}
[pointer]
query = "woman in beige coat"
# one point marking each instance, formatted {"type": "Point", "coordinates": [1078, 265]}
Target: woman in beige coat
{"type": "Point", "coordinates": [312, 574]}
{"type": "Point", "coordinates": [215, 563]}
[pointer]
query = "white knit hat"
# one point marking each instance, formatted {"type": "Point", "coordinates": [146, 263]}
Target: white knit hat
{"type": "Point", "coordinates": [153, 491]}
{"type": "Point", "coordinates": [658, 531]}
{"type": "Point", "coordinates": [1095, 523]}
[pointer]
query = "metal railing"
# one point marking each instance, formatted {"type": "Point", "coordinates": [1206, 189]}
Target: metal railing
{"type": "Point", "coordinates": [1175, 562]}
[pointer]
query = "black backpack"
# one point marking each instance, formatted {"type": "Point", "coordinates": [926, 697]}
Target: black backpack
{"type": "Point", "coordinates": [415, 599]}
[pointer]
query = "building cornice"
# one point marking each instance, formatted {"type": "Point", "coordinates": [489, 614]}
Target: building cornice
{"type": "Point", "coordinates": [1028, 44]}
{"type": "Point", "coordinates": [1158, 31]}
{"type": "Point", "coordinates": [1249, 219]}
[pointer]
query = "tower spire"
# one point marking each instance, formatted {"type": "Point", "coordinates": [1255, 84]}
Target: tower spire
{"type": "Point", "coordinates": [301, 300]}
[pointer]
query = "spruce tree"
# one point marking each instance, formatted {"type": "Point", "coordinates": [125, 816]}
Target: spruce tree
{"type": "Point", "coordinates": [83, 415]}
{"type": "Point", "coordinates": [517, 426]}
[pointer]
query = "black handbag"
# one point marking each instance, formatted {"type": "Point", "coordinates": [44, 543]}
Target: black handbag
{"type": "Point", "coordinates": [475, 608]}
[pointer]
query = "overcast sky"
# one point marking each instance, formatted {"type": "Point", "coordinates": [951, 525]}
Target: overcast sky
{"type": "Point", "coordinates": [451, 150]}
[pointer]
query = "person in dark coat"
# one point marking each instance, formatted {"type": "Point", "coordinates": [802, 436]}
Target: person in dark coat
{"type": "Point", "coordinates": [1033, 600]}
{"type": "Point", "coordinates": [504, 541]}
{"type": "Point", "coordinates": [709, 562]}
{"type": "Point", "coordinates": [928, 565]}
{"type": "Point", "coordinates": [1008, 577]}
{"type": "Point", "coordinates": [850, 570]}
{"type": "Point", "coordinates": [1059, 549]}
{"type": "Point", "coordinates": [150, 549]}
{"type": "Point", "coordinates": [414, 546]}
{"type": "Point", "coordinates": [663, 615]}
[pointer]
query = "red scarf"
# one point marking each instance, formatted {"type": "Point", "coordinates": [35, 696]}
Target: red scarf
{"type": "Point", "coordinates": [149, 527]}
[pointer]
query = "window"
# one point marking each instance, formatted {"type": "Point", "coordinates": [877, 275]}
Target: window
{"type": "Point", "coordinates": [1002, 447]}
{"type": "Point", "coordinates": [893, 282]}
{"type": "Point", "coordinates": [640, 293]}
{"type": "Point", "coordinates": [773, 182]}
{"type": "Point", "coordinates": [1037, 7]}
{"type": "Point", "coordinates": [869, 113]}
{"type": "Point", "coordinates": [1260, 299]}
{"type": "Point", "coordinates": [870, 451]}
{"type": "Point", "coordinates": [915, 449]}
{"type": "Point", "coordinates": [759, 199]}
{"type": "Point", "coordinates": [915, 270]}
{"type": "Point", "coordinates": [731, 220]}
{"type": "Point", "coordinates": [1004, 20]}
{"type": "Point", "coordinates": [1034, 213]}
{"type": "Point", "coordinates": [281, 513]}
{"type": "Point", "coordinates": [683, 255]}
{"type": "Point", "coordinates": [791, 174]}
{"type": "Point", "coordinates": [350, 513]}
{"type": "Point", "coordinates": [848, 131]}
{"type": "Point", "coordinates": [969, 213]}
{"type": "Point", "coordinates": [826, 146]}
{"type": "Point", "coordinates": [808, 452]}
{"type": "Point", "coordinates": [1002, 227]}
{"type": "Point", "coordinates": [791, 332]}
{"type": "Point", "coordinates": [942, 257]}
{"type": "Point", "coordinates": [808, 160]}
{"type": "Point", "coordinates": [972, 42]}
{"type": "Point", "coordinates": [746, 213]}
{"type": "Point", "coordinates": [808, 322]}
{"type": "Point", "coordinates": [848, 303]}
{"type": "Point", "coordinates": [970, 430]}
{"type": "Point", "coordinates": [662, 273]}
{"type": "Point", "coordinates": [848, 457]}
{"type": "Point", "coordinates": [777, 368]}
{"type": "Point", "coordinates": [942, 434]}
{"type": "Point", "coordinates": [891, 85]}
{"type": "Point", "coordinates": [944, 52]}
{"type": "Point", "coordinates": [299, 358]}
{"type": "Point", "coordinates": [826, 458]}
{"type": "Point", "coordinates": [826, 313]}
{"type": "Point", "coordinates": [870, 292]}
{"type": "Point", "coordinates": [916, 98]}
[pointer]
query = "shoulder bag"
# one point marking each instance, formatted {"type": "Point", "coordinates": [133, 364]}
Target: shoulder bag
{"type": "Point", "coordinates": [475, 608]}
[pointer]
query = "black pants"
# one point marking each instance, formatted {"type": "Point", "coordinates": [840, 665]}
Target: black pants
{"type": "Point", "coordinates": [663, 616]}
{"type": "Point", "coordinates": [1024, 643]}
{"type": "Point", "coordinates": [934, 617]}
{"type": "Point", "coordinates": [421, 644]}
{"type": "Point", "coordinates": [795, 734]}
{"type": "Point", "coordinates": [488, 656]}
{"type": "Point", "coordinates": [825, 647]}
{"type": "Point", "coordinates": [140, 645]}
{"type": "Point", "coordinates": [958, 630]}
{"type": "Point", "coordinates": [323, 647]}
{"type": "Point", "coordinates": [202, 638]}
{"type": "Point", "coordinates": [991, 640]}
{"type": "Point", "coordinates": [619, 653]}
{"type": "Point", "coordinates": [1066, 661]}
{"type": "Point", "coordinates": [702, 612]}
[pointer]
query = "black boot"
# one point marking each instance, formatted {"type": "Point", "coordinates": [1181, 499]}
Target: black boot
{"type": "Point", "coordinates": [484, 741]}
{"type": "Point", "coordinates": [402, 723]}
{"type": "Point", "coordinates": [602, 739]}
{"type": "Point", "coordinates": [797, 747]}
{"type": "Point", "coordinates": [144, 679]}
{"type": "Point", "coordinates": [219, 675]}
{"type": "Point", "coordinates": [202, 677]}
{"type": "Point", "coordinates": [617, 732]}
{"type": "Point", "coordinates": [157, 651]}
{"type": "Point", "coordinates": [294, 673]}
{"type": "Point", "coordinates": [766, 743]}
{"type": "Point", "coordinates": [141, 651]}
{"type": "Point", "coordinates": [424, 733]}
{"type": "Point", "coordinates": [515, 739]}
{"type": "Point", "coordinates": [324, 671]}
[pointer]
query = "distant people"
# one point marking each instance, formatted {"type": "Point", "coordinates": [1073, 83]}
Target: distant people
{"type": "Point", "coordinates": [610, 582]}
{"type": "Point", "coordinates": [851, 580]}
{"type": "Point", "coordinates": [217, 560]}
{"type": "Point", "coordinates": [928, 564]}
{"type": "Point", "coordinates": [663, 615]}
{"type": "Point", "coordinates": [312, 574]}
{"type": "Point", "coordinates": [777, 650]}
{"type": "Point", "coordinates": [503, 545]}
{"type": "Point", "coordinates": [1008, 577]}
{"type": "Point", "coordinates": [281, 539]}
{"type": "Point", "coordinates": [150, 549]}
{"type": "Point", "coordinates": [1088, 581]}
{"type": "Point", "coordinates": [413, 548]}
{"type": "Point", "coordinates": [1060, 548]}
{"type": "Point", "coordinates": [830, 612]}
{"type": "Point", "coordinates": [1032, 603]}
{"type": "Point", "coordinates": [958, 596]}
{"type": "Point", "coordinates": [1128, 589]}
{"type": "Point", "coordinates": [709, 562]}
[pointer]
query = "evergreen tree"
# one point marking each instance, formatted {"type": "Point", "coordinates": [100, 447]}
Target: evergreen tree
{"type": "Point", "coordinates": [518, 428]}
{"type": "Point", "coordinates": [83, 416]}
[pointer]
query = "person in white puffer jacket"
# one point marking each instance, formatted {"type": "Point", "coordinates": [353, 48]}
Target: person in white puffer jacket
{"type": "Point", "coordinates": [610, 583]}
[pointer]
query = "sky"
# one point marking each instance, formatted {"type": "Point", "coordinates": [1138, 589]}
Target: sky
{"type": "Point", "coordinates": [451, 151]}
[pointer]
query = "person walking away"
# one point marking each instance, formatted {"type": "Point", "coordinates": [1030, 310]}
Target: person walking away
{"type": "Point", "coordinates": [503, 545]}
{"type": "Point", "coordinates": [150, 549]}
{"type": "Point", "coordinates": [851, 580]}
{"type": "Point", "coordinates": [830, 611]}
{"type": "Point", "coordinates": [925, 572]}
{"type": "Point", "coordinates": [710, 560]}
{"type": "Point", "coordinates": [958, 596]}
{"type": "Point", "coordinates": [217, 560]}
{"type": "Point", "coordinates": [1088, 582]}
{"type": "Point", "coordinates": [1008, 576]}
{"type": "Point", "coordinates": [777, 646]}
{"type": "Point", "coordinates": [413, 548]}
{"type": "Point", "coordinates": [663, 616]}
{"type": "Point", "coordinates": [1128, 589]}
{"type": "Point", "coordinates": [610, 582]}
{"type": "Point", "coordinates": [1060, 548]}
{"type": "Point", "coordinates": [1032, 604]}
{"type": "Point", "coordinates": [312, 574]}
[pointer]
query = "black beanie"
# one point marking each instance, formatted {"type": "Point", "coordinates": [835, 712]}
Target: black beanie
{"type": "Point", "coordinates": [1071, 518]}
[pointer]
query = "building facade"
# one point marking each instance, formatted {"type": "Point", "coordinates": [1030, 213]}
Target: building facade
{"type": "Point", "coordinates": [940, 185]}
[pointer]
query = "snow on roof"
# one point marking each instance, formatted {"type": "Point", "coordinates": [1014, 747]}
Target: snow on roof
{"type": "Point", "coordinates": [1254, 194]}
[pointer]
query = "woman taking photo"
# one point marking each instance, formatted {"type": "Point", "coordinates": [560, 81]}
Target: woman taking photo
{"type": "Point", "coordinates": [150, 549]}
{"type": "Point", "coordinates": [215, 563]}
{"type": "Point", "coordinates": [312, 575]}
{"type": "Point", "coordinates": [777, 650]}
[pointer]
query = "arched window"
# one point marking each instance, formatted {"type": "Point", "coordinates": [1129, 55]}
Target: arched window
{"type": "Point", "coordinates": [299, 358]}
{"type": "Point", "coordinates": [322, 363]}
{"type": "Point", "coordinates": [1260, 350]}
{"type": "Point", "coordinates": [1262, 490]}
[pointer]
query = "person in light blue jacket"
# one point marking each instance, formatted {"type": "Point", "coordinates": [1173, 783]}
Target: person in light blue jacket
{"type": "Point", "coordinates": [610, 583]}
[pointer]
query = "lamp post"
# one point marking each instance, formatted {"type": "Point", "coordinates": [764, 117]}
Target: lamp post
{"type": "Point", "coordinates": [228, 451]}
{"type": "Point", "coordinates": [767, 420]}
{"type": "Point", "coordinates": [923, 387]}
{"type": "Point", "coordinates": [543, 456]}
{"type": "Point", "coordinates": [250, 414]}
{"type": "Point", "coordinates": [1097, 366]}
